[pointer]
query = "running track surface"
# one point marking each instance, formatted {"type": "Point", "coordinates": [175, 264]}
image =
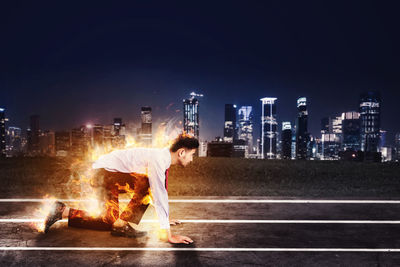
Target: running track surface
{"type": "Point", "coordinates": [226, 231]}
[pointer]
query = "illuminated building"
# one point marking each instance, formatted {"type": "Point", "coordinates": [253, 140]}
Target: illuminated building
{"type": "Point", "coordinates": [80, 141]}
{"type": "Point", "coordinates": [191, 114]}
{"type": "Point", "coordinates": [269, 127]}
{"type": "Point", "coordinates": [230, 127]}
{"type": "Point", "coordinates": [382, 139]}
{"type": "Point", "coordinates": [370, 107]}
{"type": "Point", "coordinates": [397, 146]}
{"type": "Point", "coordinates": [286, 140]}
{"type": "Point", "coordinates": [47, 143]}
{"type": "Point", "coordinates": [13, 141]}
{"type": "Point", "coordinates": [62, 143]}
{"type": "Point", "coordinates": [246, 127]}
{"type": "Point", "coordinates": [117, 126]}
{"type": "Point", "coordinates": [330, 146]}
{"type": "Point", "coordinates": [331, 130]}
{"type": "Point", "coordinates": [2, 133]}
{"type": "Point", "coordinates": [33, 135]}
{"type": "Point", "coordinates": [146, 136]}
{"type": "Point", "coordinates": [98, 135]}
{"type": "Point", "coordinates": [118, 133]}
{"type": "Point", "coordinates": [301, 129]}
{"type": "Point", "coordinates": [351, 131]}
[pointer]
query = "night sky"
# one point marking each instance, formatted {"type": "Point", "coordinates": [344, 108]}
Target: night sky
{"type": "Point", "coordinates": [74, 63]}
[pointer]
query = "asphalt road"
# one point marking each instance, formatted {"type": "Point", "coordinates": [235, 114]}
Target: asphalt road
{"type": "Point", "coordinates": [266, 234]}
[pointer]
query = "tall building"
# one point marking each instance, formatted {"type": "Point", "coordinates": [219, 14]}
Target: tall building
{"type": "Point", "coordinates": [80, 141]}
{"type": "Point", "coordinates": [146, 136]}
{"type": "Point", "coordinates": [117, 126]}
{"type": "Point", "coordinates": [351, 131]}
{"type": "Point", "coordinates": [33, 134]}
{"type": "Point", "coordinates": [47, 143]}
{"type": "Point", "coordinates": [2, 133]}
{"type": "Point", "coordinates": [230, 126]}
{"type": "Point", "coordinates": [370, 109]}
{"type": "Point", "coordinates": [286, 140]}
{"type": "Point", "coordinates": [98, 135]}
{"type": "Point", "coordinates": [191, 114]}
{"type": "Point", "coordinates": [397, 146]}
{"type": "Point", "coordinates": [14, 141]}
{"type": "Point", "coordinates": [62, 143]}
{"type": "Point", "coordinates": [331, 138]}
{"type": "Point", "coordinates": [269, 128]}
{"type": "Point", "coordinates": [301, 128]}
{"type": "Point", "coordinates": [118, 133]}
{"type": "Point", "coordinates": [246, 127]}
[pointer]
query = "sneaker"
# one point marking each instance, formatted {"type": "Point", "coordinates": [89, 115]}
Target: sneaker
{"type": "Point", "coordinates": [127, 231]}
{"type": "Point", "coordinates": [54, 215]}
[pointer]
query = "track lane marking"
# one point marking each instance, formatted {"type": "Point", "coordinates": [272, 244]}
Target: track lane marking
{"type": "Point", "coordinates": [33, 220]}
{"type": "Point", "coordinates": [201, 249]}
{"type": "Point", "coordinates": [291, 201]}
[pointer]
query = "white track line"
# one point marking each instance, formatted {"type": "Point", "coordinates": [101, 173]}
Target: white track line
{"type": "Point", "coordinates": [203, 249]}
{"type": "Point", "coordinates": [301, 201]}
{"type": "Point", "coordinates": [239, 221]}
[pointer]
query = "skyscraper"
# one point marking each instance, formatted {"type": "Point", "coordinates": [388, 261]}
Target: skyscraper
{"type": "Point", "coordinates": [246, 126]}
{"type": "Point", "coordinates": [269, 127]}
{"type": "Point", "coordinates": [351, 131]}
{"type": "Point", "coordinates": [301, 129]}
{"type": "Point", "coordinates": [370, 109]}
{"type": "Point", "coordinates": [191, 115]}
{"type": "Point", "coordinates": [2, 133]}
{"type": "Point", "coordinates": [146, 136]}
{"type": "Point", "coordinates": [98, 135]}
{"type": "Point", "coordinates": [397, 146]}
{"type": "Point", "coordinates": [33, 134]}
{"type": "Point", "coordinates": [286, 140]}
{"type": "Point", "coordinates": [331, 131]}
{"type": "Point", "coordinates": [14, 141]}
{"type": "Point", "coordinates": [117, 126]}
{"type": "Point", "coordinates": [230, 127]}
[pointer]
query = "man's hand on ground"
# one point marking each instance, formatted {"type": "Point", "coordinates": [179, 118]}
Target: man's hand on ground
{"type": "Point", "coordinates": [174, 222]}
{"type": "Point", "coordinates": [179, 239]}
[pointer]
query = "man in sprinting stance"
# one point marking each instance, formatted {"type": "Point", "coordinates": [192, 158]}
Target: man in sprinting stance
{"type": "Point", "coordinates": [142, 169]}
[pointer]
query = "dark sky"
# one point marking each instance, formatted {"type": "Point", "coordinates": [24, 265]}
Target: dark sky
{"type": "Point", "coordinates": [74, 63]}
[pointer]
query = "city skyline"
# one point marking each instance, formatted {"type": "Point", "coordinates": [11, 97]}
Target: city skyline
{"type": "Point", "coordinates": [137, 56]}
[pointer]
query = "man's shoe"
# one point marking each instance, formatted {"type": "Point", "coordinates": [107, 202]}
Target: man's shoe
{"type": "Point", "coordinates": [54, 215]}
{"type": "Point", "coordinates": [127, 231]}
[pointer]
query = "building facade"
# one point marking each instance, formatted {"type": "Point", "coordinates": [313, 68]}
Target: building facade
{"type": "Point", "coordinates": [370, 110]}
{"type": "Point", "coordinates": [269, 128]}
{"type": "Point", "coordinates": [230, 124]}
{"type": "Point", "coordinates": [351, 131]}
{"type": "Point", "coordinates": [2, 133]}
{"type": "Point", "coordinates": [246, 127]}
{"type": "Point", "coordinates": [191, 116]}
{"type": "Point", "coordinates": [146, 130]}
{"type": "Point", "coordinates": [301, 128]}
{"type": "Point", "coordinates": [13, 141]}
{"type": "Point", "coordinates": [286, 140]}
{"type": "Point", "coordinates": [33, 134]}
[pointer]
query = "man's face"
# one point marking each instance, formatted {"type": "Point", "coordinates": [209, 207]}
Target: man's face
{"type": "Point", "coordinates": [185, 156]}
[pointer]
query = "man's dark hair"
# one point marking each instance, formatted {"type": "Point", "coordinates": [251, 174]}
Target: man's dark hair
{"type": "Point", "coordinates": [184, 141]}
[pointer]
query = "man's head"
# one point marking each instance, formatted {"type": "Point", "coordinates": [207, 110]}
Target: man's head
{"type": "Point", "coordinates": [183, 148]}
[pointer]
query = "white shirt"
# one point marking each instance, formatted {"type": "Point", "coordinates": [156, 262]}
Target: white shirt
{"type": "Point", "coordinates": [151, 161]}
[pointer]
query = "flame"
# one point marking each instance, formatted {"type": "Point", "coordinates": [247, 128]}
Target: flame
{"type": "Point", "coordinates": [42, 212]}
{"type": "Point", "coordinates": [83, 185]}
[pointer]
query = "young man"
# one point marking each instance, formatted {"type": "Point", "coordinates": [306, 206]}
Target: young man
{"type": "Point", "coordinates": [141, 169]}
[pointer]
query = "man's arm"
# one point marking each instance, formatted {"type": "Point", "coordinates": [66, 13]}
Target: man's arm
{"type": "Point", "coordinates": [160, 199]}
